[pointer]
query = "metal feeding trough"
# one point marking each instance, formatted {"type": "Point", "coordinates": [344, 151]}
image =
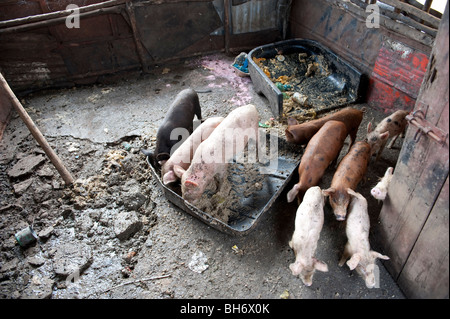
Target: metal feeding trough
{"type": "Point", "coordinates": [250, 208]}
{"type": "Point", "coordinates": [280, 69]}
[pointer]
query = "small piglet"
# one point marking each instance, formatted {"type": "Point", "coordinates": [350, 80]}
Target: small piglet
{"type": "Point", "coordinates": [380, 190]}
{"type": "Point", "coordinates": [212, 156]}
{"type": "Point", "coordinates": [322, 150]}
{"type": "Point", "coordinates": [349, 173]}
{"type": "Point", "coordinates": [184, 153]}
{"type": "Point", "coordinates": [308, 225]}
{"type": "Point", "coordinates": [358, 247]}
{"type": "Point", "coordinates": [179, 115]}
{"type": "Point", "coordinates": [302, 133]}
{"type": "Point", "coordinates": [392, 126]}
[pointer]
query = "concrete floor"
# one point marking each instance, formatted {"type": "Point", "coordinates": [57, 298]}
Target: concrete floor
{"type": "Point", "coordinates": [98, 119]}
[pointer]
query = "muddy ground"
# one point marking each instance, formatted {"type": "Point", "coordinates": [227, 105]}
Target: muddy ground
{"type": "Point", "coordinates": [114, 234]}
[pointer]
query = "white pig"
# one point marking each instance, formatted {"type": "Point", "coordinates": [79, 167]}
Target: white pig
{"type": "Point", "coordinates": [184, 153]}
{"type": "Point", "coordinates": [392, 126]}
{"type": "Point", "coordinates": [358, 247]}
{"type": "Point", "coordinates": [308, 225]}
{"type": "Point", "coordinates": [212, 156]}
{"type": "Point", "coordinates": [380, 190]}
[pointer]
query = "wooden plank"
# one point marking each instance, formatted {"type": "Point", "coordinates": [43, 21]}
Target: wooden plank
{"type": "Point", "coordinates": [414, 11]}
{"type": "Point", "coordinates": [422, 166]}
{"type": "Point", "coordinates": [58, 14]}
{"type": "Point", "coordinates": [426, 272]}
{"type": "Point", "coordinates": [419, 175]}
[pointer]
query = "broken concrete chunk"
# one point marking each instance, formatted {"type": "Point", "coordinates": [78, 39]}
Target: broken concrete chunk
{"type": "Point", "coordinates": [21, 188]}
{"type": "Point", "coordinates": [71, 259]}
{"type": "Point", "coordinates": [46, 232]}
{"type": "Point", "coordinates": [45, 171]}
{"type": "Point", "coordinates": [39, 288]}
{"type": "Point", "coordinates": [126, 225]}
{"type": "Point", "coordinates": [26, 165]}
{"type": "Point", "coordinates": [35, 261]}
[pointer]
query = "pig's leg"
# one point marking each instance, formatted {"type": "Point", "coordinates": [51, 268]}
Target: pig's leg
{"type": "Point", "coordinates": [345, 255]}
{"type": "Point", "coordinates": [391, 144]}
{"type": "Point", "coordinates": [380, 150]}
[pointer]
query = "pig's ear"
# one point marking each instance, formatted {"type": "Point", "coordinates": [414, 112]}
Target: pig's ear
{"type": "Point", "coordinates": [190, 184]}
{"type": "Point", "coordinates": [384, 136]}
{"type": "Point", "coordinates": [178, 170]}
{"type": "Point", "coordinates": [289, 135]}
{"type": "Point", "coordinates": [296, 268]}
{"type": "Point", "coordinates": [378, 255]}
{"type": "Point", "coordinates": [369, 127]}
{"type": "Point", "coordinates": [328, 192]}
{"type": "Point", "coordinates": [292, 121]}
{"type": "Point", "coordinates": [389, 171]}
{"type": "Point", "coordinates": [352, 192]}
{"type": "Point", "coordinates": [169, 177]}
{"type": "Point", "coordinates": [320, 266]}
{"type": "Point", "coordinates": [354, 261]}
{"type": "Point", "coordinates": [293, 193]}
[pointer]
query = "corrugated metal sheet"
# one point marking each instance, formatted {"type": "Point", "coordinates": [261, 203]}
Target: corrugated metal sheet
{"type": "Point", "coordinates": [255, 15]}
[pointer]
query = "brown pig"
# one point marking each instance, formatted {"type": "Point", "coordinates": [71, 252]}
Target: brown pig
{"type": "Point", "coordinates": [302, 133]}
{"type": "Point", "coordinates": [392, 126]}
{"type": "Point", "coordinates": [349, 173]}
{"type": "Point", "coordinates": [358, 248]}
{"type": "Point", "coordinates": [322, 149]}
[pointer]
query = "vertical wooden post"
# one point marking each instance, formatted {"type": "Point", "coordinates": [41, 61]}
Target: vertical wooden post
{"type": "Point", "coordinates": [65, 174]}
{"type": "Point", "coordinates": [137, 40]}
{"type": "Point", "coordinates": [226, 26]}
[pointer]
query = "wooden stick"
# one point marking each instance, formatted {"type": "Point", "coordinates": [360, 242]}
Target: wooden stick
{"type": "Point", "coordinates": [58, 14]}
{"type": "Point", "coordinates": [46, 23]}
{"type": "Point", "coordinates": [65, 174]}
{"type": "Point", "coordinates": [135, 281]}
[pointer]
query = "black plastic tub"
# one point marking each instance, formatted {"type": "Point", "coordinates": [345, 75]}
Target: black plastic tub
{"type": "Point", "coordinates": [342, 82]}
{"type": "Point", "coordinates": [252, 206]}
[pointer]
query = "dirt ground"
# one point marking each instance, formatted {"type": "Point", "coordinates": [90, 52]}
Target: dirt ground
{"type": "Point", "coordinates": [114, 234]}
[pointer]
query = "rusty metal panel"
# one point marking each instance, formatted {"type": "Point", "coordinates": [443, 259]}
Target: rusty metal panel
{"type": "Point", "coordinates": [169, 28]}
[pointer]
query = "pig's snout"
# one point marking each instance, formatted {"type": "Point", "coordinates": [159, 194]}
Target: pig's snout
{"type": "Point", "coordinates": [378, 194]}
{"type": "Point", "coordinates": [340, 215]}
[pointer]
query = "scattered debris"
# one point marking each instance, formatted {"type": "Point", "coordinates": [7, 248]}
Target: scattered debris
{"type": "Point", "coordinates": [198, 262]}
{"type": "Point", "coordinates": [237, 251]}
{"type": "Point", "coordinates": [285, 294]}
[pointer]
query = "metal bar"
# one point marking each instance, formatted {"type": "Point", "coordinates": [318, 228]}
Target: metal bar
{"type": "Point", "coordinates": [417, 119]}
{"type": "Point", "coordinates": [65, 174]}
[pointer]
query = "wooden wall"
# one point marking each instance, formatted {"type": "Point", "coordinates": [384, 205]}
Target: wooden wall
{"type": "Point", "coordinates": [122, 35]}
{"type": "Point", "coordinates": [414, 221]}
{"type": "Point", "coordinates": [394, 63]}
